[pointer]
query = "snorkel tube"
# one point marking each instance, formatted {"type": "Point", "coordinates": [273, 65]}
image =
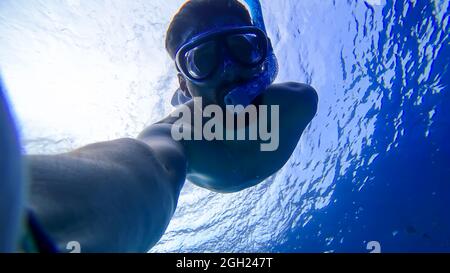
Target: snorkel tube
{"type": "Point", "coordinates": [254, 6]}
{"type": "Point", "coordinates": [246, 93]}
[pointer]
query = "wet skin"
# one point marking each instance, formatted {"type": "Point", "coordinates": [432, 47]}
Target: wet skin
{"type": "Point", "coordinates": [229, 166]}
{"type": "Point", "coordinates": [11, 178]}
{"type": "Point", "coordinates": [119, 196]}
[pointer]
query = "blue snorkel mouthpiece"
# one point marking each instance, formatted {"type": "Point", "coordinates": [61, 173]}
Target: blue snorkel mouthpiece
{"type": "Point", "coordinates": [246, 93]}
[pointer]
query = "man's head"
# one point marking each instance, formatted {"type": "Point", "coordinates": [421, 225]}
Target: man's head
{"type": "Point", "coordinates": [196, 17]}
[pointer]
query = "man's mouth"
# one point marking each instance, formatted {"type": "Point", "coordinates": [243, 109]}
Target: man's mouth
{"type": "Point", "coordinates": [226, 89]}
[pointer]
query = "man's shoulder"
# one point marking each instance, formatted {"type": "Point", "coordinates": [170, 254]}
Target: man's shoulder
{"type": "Point", "coordinates": [159, 129]}
{"type": "Point", "coordinates": [290, 89]}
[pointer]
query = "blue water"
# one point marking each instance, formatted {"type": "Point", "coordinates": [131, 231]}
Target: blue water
{"type": "Point", "coordinates": [382, 131]}
{"type": "Point", "coordinates": [374, 164]}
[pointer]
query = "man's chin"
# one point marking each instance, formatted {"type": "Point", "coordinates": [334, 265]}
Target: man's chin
{"type": "Point", "coordinates": [210, 101]}
{"type": "Point", "coordinates": [224, 92]}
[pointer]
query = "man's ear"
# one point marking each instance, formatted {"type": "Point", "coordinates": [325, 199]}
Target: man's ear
{"type": "Point", "coordinates": [183, 85]}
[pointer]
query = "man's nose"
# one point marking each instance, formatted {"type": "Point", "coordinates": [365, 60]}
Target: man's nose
{"type": "Point", "coordinates": [230, 71]}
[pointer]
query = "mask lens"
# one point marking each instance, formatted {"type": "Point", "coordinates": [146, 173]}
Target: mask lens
{"type": "Point", "coordinates": [201, 60]}
{"type": "Point", "coordinates": [246, 48]}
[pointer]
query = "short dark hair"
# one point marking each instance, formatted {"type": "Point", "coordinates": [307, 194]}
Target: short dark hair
{"type": "Point", "coordinates": [200, 14]}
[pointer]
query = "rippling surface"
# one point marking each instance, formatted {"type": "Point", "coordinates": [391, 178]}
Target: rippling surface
{"type": "Point", "coordinates": [374, 164]}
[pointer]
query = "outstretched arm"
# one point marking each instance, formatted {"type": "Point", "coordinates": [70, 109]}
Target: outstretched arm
{"type": "Point", "coordinates": [11, 178]}
{"type": "Point", "coordinates": [115, 196]}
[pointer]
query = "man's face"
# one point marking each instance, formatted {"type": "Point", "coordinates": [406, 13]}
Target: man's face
{"type": "Point", "coordinates": [228, 76]}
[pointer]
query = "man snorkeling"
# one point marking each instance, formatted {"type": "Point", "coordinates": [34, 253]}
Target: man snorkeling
{"type": "Point", "coordinates": [119, 196]}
